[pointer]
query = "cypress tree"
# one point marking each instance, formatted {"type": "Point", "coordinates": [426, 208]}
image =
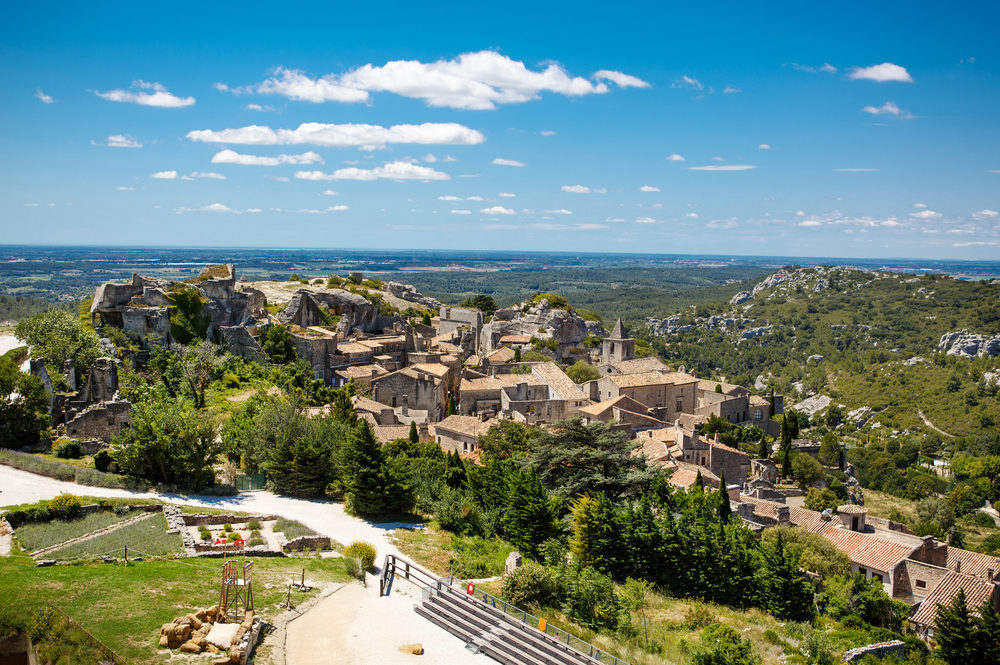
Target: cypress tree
{"type": "Point", "coordinates": [371, 486]}
{"type": "Point", "coordinates": [986, 639]}
{"type": "Point", "coordinates": [452, 405]}
{"type": "Point", "coordinates": [954, 631]}
{"type": "Point", "coordinates": [426, 318]}
{"type": "Point", "coordinates": [414, 435]}
{"type": "Point", "coordinates": [699, 482]}
{"type": "Point", "coordinates": [725, 509]}
{"type": "Point", "coordinates": [770, 408]}
{"type": "Point", "coordinates": [785, 591]}
{"type": "Point", "coordinates": [529, 520]}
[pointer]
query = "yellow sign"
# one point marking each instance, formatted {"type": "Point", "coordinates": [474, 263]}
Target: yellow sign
{"type": "Point", "coordinates": [541, 625]}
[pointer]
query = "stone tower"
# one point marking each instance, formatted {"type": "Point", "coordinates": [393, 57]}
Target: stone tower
{"type": "Point", "coordinates": [618, 346]}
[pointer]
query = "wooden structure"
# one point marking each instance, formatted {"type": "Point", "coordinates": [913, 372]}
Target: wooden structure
{"type": "Point", "coordinates": [236, 596]}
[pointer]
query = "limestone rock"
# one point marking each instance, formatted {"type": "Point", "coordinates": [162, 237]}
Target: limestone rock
{"type": "Point", "coordinates": [968, 345]}
{"type": "Point", "coordinates": [740, 298]}
{"type": "Point", "coordinates": [513, 562]}
{"type": "Point", "coordinates": [194, 621]}
{"type": "Point", "coordinates": [537, 320]}
{"type": "Point", "coordinates": [190, 647]}
{"type": "Point", "coordinates": [416, 649]}
{"type": "Point", "coordinates": [409, 293]}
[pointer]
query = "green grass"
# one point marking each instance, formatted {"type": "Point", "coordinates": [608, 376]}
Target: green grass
{"type": "Point", "coordinates": [146, 537]}
{"type": "Point", "coordinates": [292, 529]}
{"type": "Point", "coordinates": [36, 536]}
{"type": "Point", "coordinates": [125, 606]}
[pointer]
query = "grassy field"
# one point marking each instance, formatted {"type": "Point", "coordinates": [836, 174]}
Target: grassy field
{"type": "Point", "coordinates": [292, 529]}
{"type": "Point", "coordinates": [880, 504]}
{"type": "Point", "coordinates": [147, 537]}
{"type": "Point", "coordinates": [125, 606]}
{"type": "Point", "coordinates": [36, 536]}
{"type": "Point", "coordinates": [474, 558]}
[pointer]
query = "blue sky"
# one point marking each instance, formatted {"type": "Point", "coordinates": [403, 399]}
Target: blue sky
{"type": "Point", "coordinates": [855, 129]}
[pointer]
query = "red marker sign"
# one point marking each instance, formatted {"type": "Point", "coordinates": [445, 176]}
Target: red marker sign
{"type": "Point", "coordinates": [472, 588]}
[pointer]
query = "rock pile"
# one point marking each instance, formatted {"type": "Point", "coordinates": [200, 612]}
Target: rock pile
{"type": "Point", "coordinates": [175, 524]}
{"type": "Point", "coordinates": [967, 345]}
{"type": "Point", "coordinates": [191, 633]}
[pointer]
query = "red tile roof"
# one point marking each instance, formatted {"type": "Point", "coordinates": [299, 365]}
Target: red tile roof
{"type": "Point", "coordinates": [977, 592]}
{"type": "Point", "coordinates": [973, 563]}
{"type": "Point", "coordinates": [866, 550]}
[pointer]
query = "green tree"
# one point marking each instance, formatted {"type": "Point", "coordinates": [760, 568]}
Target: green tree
{"type": "Point", "coordinates": [816, 553]}
{"type": "Point", "coordinates": [590, 520]}
{"type": "Point", "coordinates": [725, 509]}
{"type": "Point", "coordinates": [508, 438]}
{"type": "Point", "coordinates": [582, 371]}
{"type": "Point", "coordinates": [528, 518]}
{"type": "Point", "coordinates": [829, 449]}
{"type": "Point", "coordinates": [986, 639]}
{"type": "Point", "coordinates": [425, 319]}
{"type": "Point", "coordinates": [821, 499]}
{"type": "Point", "coordinates": [58, 336]}
{"type": "Point", "coordinates": [414, 435]}
{"type": "Point", "coordinates": [276, 342]}
{"type": "Point", "coordinates": [198, 363]}
{"type": "Point", "coordinates": [169, 442]}
{"type": "Point", "coordinates": [722, 645]}
{"type": "Point", "coordinates": [806, 470]}
{"type": "Point", "coordinates": [636, 595]}
{"type": "Point", "coordinates": [187, 323]}
{"type": "Point", "coordinates": [24, 406]}
{"type": "Point", "coordinates": [785, 592]}
{"type": "Point", "coordinates": [866, 599]}
{"type": "Point", "coordinates": [954, 631]}
{"type": "Point", "coordinates": [482, 302]}
{"type": "Point", "coordinates": [371, 485]}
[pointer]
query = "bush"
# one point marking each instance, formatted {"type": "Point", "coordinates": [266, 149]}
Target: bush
{"type": "Point", "coordinates": [589, 597]}
{"type": "Point", "coordinates": [531, 585]}
{"type": "Point", "coordinates": [255, 541]}
{"type": "Point", "coordinates": [100, 479]}
{"type": "Point", "coordinates": [102, 460]}
{"type": "Point", "coordinates": [722, 645]}
{"type": "Point", "coordinates": [359, 549]}
{"type": "Point", "coordinates": [457, 513]}
{"type": "Point", "coordinates": [42, 622]}
{"type": "Point", "coordinates": [39, 465]}
{"type": "Point", "coordinates": [983, 520]}
{"type": "Point", "coordinates": [227, 526]}
{"type": "Point", "coordinates": [65, 507]}
{"type": "Point", "coordinates": [253, 525]}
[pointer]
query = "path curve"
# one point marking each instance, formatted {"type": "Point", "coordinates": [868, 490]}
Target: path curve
{"type": "Point", "coordinates": [932, 425]}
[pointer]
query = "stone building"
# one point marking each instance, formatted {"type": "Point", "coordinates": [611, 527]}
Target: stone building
{"type": "Point", "coordinates": [618, 346]}
{"type": "Point", "coordinates": [670, 394]}
{"type": "Point", "coordinates": [412, 389]}
{"type": "Point", "coordinates": [102, 421]}
{"type": "Point", "coordinates": [460, 433]}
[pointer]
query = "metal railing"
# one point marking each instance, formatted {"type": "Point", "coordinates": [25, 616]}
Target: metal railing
{"type": "Point", "coordinates": [434, 585]}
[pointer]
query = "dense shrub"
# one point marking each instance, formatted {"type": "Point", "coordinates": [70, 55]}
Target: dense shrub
{"type": "Point", "coordinates": [65, 507]}
{"type": "Point", "coordinates": [69, 450]}
{"type": "Point", "coordinates": [531, 585]}
{"type": "Point", "coordinates": [359, 549]}
{"type": "Point", "coordinates": [102, 460]}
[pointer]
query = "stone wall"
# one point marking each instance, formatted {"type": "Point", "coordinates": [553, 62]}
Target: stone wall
{"type": "Point", "coordinates": [198, 519]}
{"type": "Point", "coordinates": [101, 421]}
{"type": "Point", "coordinates": [881, 650]}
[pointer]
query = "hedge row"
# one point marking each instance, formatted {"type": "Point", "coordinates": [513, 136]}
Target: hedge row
{"type": "Point", "coordinates": [67, 472]}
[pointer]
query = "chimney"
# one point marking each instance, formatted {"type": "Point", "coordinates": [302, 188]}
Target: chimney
{"type": "Point", "coordinates": [406, 406]}
{"type": "Point", "coordinates": [716, 437]}
{"type": "Point", "coordinates": [784, 516]}
{"type": "Point", "coordinates": [958, 565]}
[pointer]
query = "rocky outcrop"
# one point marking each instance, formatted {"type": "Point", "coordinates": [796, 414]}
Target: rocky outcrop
{"type": "Point", "coordinates": [537, 320]}
{"type": "Point", "coordinates": [754, 333]}
{"type": "Point", "coordinates": [813, 405]}
{"type": "Point", "coordinates": [409, 293]}
{"type": "Point", "coordinates": [968, 345]}
{"type": "Point", "coordinates": [355, 311]}
{"type": "Point", "coordinates": [239, 342]}
{"type": "Point", "coordinates": [740, 298]}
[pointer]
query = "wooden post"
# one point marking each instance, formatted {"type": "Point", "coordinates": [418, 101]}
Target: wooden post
{"type": "Point", "coordinates": [303, 584]}
{"type": "Point", "coordinates": [288, 599]}
{"type": "Point", "coordinates": [126, 555]}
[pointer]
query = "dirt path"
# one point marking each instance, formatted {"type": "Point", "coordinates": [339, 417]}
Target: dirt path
{"type": "Point", "coordinates": [933, 426]}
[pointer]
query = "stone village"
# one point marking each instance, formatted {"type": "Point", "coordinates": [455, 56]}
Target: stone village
{"type": "Point", "coordinates": [458, 376]}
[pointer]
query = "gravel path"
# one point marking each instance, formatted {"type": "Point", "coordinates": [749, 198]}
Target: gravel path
{"type": "Point", "coordinates": [934, 427]}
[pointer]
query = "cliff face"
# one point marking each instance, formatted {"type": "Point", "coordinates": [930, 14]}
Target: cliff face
{"type": "Point", "coordinates": [541, 321]}
{"type": "Point", "coordinates": [355, 312]}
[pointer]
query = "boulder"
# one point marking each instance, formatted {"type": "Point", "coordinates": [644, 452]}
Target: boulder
{"type": "Point", "coordinates": [969, 345]}
{"type": "Point", "coordinates": [513, 562]}
{"type": "Point", "coordinates": [164, 642]}
{"type": "Point", "coordinates": [416, 649]}
{"type": "Point", "coordinates": [740, 298]}
{"type": "Point", "coordinates": [190, 647]}
{"type": "Point", "coordinates": [194, 621]}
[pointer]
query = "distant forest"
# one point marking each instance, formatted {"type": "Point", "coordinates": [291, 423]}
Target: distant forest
{"type": "Point", "coordinates": [15, 308]}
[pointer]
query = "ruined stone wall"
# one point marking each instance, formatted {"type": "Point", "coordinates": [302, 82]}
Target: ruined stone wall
{"type": "Point", "coordinates": [307, 543]}
{"type": "Point", "coordinates": [103, 421]}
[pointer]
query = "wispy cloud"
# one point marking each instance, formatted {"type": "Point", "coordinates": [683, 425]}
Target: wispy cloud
{"type": "Point", "coordinates": [478, 81]}
{"type": "Point", "coordinates": [674, 158]}
{"type": "Point", "coordinates": [882, 73]}
{"type": "Point", "coordinates": [547, 132]}
{"type": "Point", "coordinates": [825, 67]}
{"type": "Point", "coordinates": [649, 188]}
{"type": "Point", "coordinates": [764, 146]}
{"type": "Point", "coordinates": [159, 96]}
{"type": "Point", "coordinates": [461, 212]}
{"type": "Point", "coordinates": [164, 175]}
{"type": "Point", "coordinates": [856, 170]}
{"type": "Point", "coordinates": [559, 211]}
{"type": "Point", "coordinates": [211, 207]}
{"type": "Point", "coordinates": [731, 90]}
{"type": "Point", "coordinates": [499, 161]}
{"type": "Point", "coordinates": [122, 141]}
{"type": "Point", "coordinates": [583, 189]}
{"type": "Point", "coordinates": [323, 211]}
{"type": "Point", "coordinates": [687, 82]}
{"type": "Point", "coordinates": [645, 220]}
{"type": "Point", "coordinates": [211, 175]}
{"type": "Point", "coordinates": [722, 167]}
{"type": "Point", "coordinates": [45, 99]}
{"type": "Point", "coordinates": [507, 195]}
{"type": "Point", "coordinates": [889, 108]}
{"type": "Point", "coordinates": [985, 214]}
{"type": "Point", "coordinates": [449, 197]}
{"type": "Point", "coordinates": [233, 157]}
{"type": "Point", "coordinates": [391, 171]}
{"type": "Point", "coordinates": [342, 136]}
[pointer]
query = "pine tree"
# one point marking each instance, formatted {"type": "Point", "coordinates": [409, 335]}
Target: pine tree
{"type": "Point", "coordinates": [426, 318]}
{"type": "Point", "coordinates": [341, 409]}
{"type": "Point", "coordinates": [517, 354]}
{"type": "Point", "coordinates": [770, 408]}
{"type": "Point", "coordinates": [785, 592]}
{"type": "Point", "coordinates": [371, 486]}
{"type": "Point", "coordinates": [986, 639]}
{"type": "Point", "coordinates": [529, 521]}
{"type": "Point", "coordinates": [725, 509]}
{"type": "Point", "coordinates": [699, 482]}
{"type": "Point", "coordinates": [452, 405]}
{"type": "Point", "coordinates": [786, 446]}
{"type": "Point", "coordinates": [954, 631]}
{"type": "Point", "coordinates": [414, 435]}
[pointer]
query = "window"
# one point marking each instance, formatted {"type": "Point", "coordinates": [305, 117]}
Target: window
{"type": "Point", "coordinates": [921, 584]}
{"type": "Point", "coordinates": [680, 405]}
{"type": "Point", "coordinates": [756, 414]}
{"type": "Point", "coordinates": [862, 571]}
{"type": "Point", "coordinates": [877, 576]}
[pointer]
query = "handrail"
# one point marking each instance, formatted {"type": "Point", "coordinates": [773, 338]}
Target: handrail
{"type": "Point", "coordinates": [421, 577]}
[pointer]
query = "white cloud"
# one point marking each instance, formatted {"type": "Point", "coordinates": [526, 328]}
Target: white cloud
{"type": "Point", "coordinates": [314, 211]}
{"type": "Point", "coordinates": [390, 171]}
{"type": "Point", "coordinates": [645, 220]}
{"type": "Point", "coordinates": [211, 207]}
{"type": "Point", "coordinates": [882, 73]}
{"type": "Point", "coordinates": [475, 198]}
{"type": "Point", "coordinates": [616, 220]}
{"type": "Point", "coordinates": [810, 222]}
{"type": "Point", "coordinates": [345, 135]}
{"type": "Point", "coordinates": [449, 158]}
{"type": "Point", "coordinates": [159, 97]}
{"type": "Point", "coordinates": [45, 99]}
{"type": "Point", "coordinates": [329, 192]}
{"type": "Point", "coordinates": [800, 213]}
{"type": "Point", "coordinates": [827, 67]}
{"type": "Point", "coordinates": [280, 178]}
{"type": "Point", "coordinates": [506, 195]}
{"type": "Point", "coordinates": [449, 197]}
{"type": "Point", "coordinates": [619, 79]}
{"type": "Point", "coordinates": [722, 167]}
{"type": "Point", "coordinates": [499, 161]}
{"type": "Point", "coordinates": [583, 189]}
{"type": "Point", "coordinates": [122, 141]}
{"type": "Point", "coordinates": [479, 81]}
{"type": "Point", "coordinates": [926, 214]}
{"type": "Point", "coordinates": [589, 227]}
{"type": "Point", "coordinates": [209, 174]}
{"type": "Point", "coordinates": [687, 82]}
{"type": "Point", "coordinates": [889, 108]}
{"type": "Point", "coordinates": [649, 188]}
{"type": "Point", "coordinates": [559, 211]}
{"type": "Point", "coordinates": [764, 146]}
{"type": "Point", "coordinates": [233, 157]}
{"type": "Point", "coordinates": [123, 188]}
{"type": "Point", "coordinates": [430, 158]}
{"type": "Point", "coordinates": [985, 214]}
{"type": "Point", "coordinates": [547, 132]}
{"type": "Point", "coordinates": [919, 205]}
{"type": "Point", "coordinates": [731, 89]}
{"type": "Point", "coordinates": [675, 158]}
{"type": "Point", "coordinates": [164, 175]}
{"type": "Point", "coordinates": [497, 210]}
{"type": "Point", "coordinates": [692, 215]}
{"type": "Point", "coordinates": [861, 170]}
{"type": "Point", "coordinates": [461, 212]}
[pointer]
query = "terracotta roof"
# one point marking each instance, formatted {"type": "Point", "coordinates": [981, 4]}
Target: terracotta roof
{"type": "Point", "coordinates": [654, 450]}
{"type": "Point", "coordinates": [686, 474]}
{"type": "Point", "coordinates": [387, 433]}
{"type": "Point", "coordinates": [973, 563]}
{"type": "Point", "coordinates": [352, 347]}
{"type": "Point", "coordinates": [502, 355]}
{"type": "Point", "coordinates": [729, 449]}
{"type": "Point", "coordinates": [360, 371]}
{"type": "Point", "coordinates": [562, 385]}
{"type": "Point", "coordinates": [437, 369]}
{"type": "Point", "coordinates": [515, 339]}
{"type": "Point", "coordinates": [810, 520]}
{"type": "Point", "coordinates": [852, 509]}
{"type": "Point", "coordinates": [640, 379]}
{"type": "Point", "coordinates": [977, 592]}
{"type": "Point", "coordinates": [639, 365]}
{"type": "Point", "coordinates": [866, 550]}
{"type": "Point", "coordinates": [475, 385]}
{"type": "Point", "coordinates": [622, 402]}
{"type": "Point", "coordinates": [467, 425]}
{"type": "Point", "coordinates": [365, 404]}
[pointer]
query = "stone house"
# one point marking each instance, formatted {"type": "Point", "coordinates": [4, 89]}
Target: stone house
{"type": "Point", "coordinates": [412, 389]}
{"type": "Point", "coordinates": [102, 421]}
{"type": "Point", "coordinates": [460, 433]}
{"type": "Point", "coordinates": [362, 375]}
{"type": "Point", "coordinates": [622, 410]}
{"type": "Point", "coordinates": [669, 393]}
